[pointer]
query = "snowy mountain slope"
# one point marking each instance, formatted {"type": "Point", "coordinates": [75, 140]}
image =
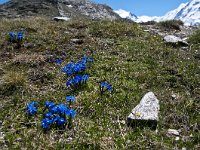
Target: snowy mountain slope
{"type": "Point", "coordinates": [172, 14]}
{"type": "Point", "coordinates": [126, 14]}
{"type": "Point", "coordinates": [188, 12]}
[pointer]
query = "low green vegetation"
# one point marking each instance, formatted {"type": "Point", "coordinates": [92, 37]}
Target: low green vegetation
{"type": "Point", "coordinates": [195, 38]}
{"type": "Point", "coordinates": [170, 24]}
{"type": "Point", "coordinates": [132, 60]}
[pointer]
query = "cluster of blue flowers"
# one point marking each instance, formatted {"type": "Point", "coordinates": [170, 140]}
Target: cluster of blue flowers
{"type": "Point", "coordinates": [16, 37]}
{"type": "Point", "coordinates": [54, 115]}
{"type": "Point", "coordinates": [75, 68]}
{"type": "Point", "coordinates": [77, 80]}
{"type": "Point", "coordinates": [60, 115]}
{"type": "Point", "coordinates": [57, 114]}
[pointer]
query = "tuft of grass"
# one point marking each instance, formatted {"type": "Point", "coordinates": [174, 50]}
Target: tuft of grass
{"type": "Point", "coordinates": [195, 38]}
{"type": "Point", "coordinates": [148, 23]}
{"type": "Point", "coordinates": [12, 82]}
{"type": "Point", "coordinates": [170, 24]}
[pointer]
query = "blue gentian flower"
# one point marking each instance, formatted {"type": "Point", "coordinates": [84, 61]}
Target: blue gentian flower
{"type": "Point", "coordinates": [62, 109]}
{"type": "Point", "coordinates": [46, 123]}
{"type": "Point", "coordinates": [54, 109]}
{"type": "Point", "coordinates": [20, 36]}
{"type": "Point", "coordinates": [48, 115]}
{"type": "Point", "coordinates": [85, 78]}
{"type": "Point", "coordinates": [60, 121]}
{"type": "Point", "coordinates": [70, 98]}
{"type": "Point", "coordinates": [58, 61]}
{"type": "Point", "coordinates": [71, 113]}
{"type": "Point", "coordinates": [77, 79]}
{"type": "Point", "coordinates": [69, 82]}
{"type": "Point", "coordinates": [49, 104]}
{"type": "Point", "coordinates": [33, 104]}
{"type": "Point", "coordinates": [55, 119]}
{"type": "Point", "coordinates": [104, 86]}
{"type": "Point", "coordinates": [12, 36]}
{"type": "Point", "coordinates": [31, 110]}
{"type": "Point", "coordinates": [68, 69]}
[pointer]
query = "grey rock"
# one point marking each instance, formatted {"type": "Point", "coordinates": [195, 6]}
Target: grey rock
{"type": "Point", "coordinates": [175, 40]}
{"type": "Point", "coordinates": [77, 41]}
{"type": "Point", "coordinates": [146, 112]}
{"type": "Point", "coordinates": [171, 132]}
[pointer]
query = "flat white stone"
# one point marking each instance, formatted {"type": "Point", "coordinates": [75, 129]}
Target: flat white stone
{"type": "Point", "coordinates": [174, 39]}
{"type": "Point", "coordinates": [172, 132]}
{"type": "Point", "coordinates": [147, 109]}
{"type": "Point", "coordinates": [61, 18]}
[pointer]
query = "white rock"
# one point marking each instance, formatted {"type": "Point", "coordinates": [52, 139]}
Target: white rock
{"type": "Point", "coordinates": [70, 6]}
{"type": "Point", "coordinates": [173, 96]}
{"type": "Point", "coordinates": [61, 18]}
{"type": "Point", "coordinates": [146, 110]}
{"type": "Point", "coordinates": [173, 132]}
{"type": "Point", "coordinates": [177, 138]}
{"type": "Point", "coordinates": [174, 39]}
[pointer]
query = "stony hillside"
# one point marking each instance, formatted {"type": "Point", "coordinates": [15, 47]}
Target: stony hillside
{"type": "Point", "coordinates": [133, 61]}
{"type": "Point", "coordinates": [53, 8]}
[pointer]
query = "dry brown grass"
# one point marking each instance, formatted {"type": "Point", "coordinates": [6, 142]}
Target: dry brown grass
{"type": "Point", "coordinates": [29, 58]}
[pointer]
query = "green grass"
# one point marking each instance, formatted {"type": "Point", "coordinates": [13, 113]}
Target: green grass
{"type": "Point", "coordinates": [195, 38]}
{"type": "Point", "coordinates": [133, 61]}
{"type": "Point", "coordinates": [170, 24]}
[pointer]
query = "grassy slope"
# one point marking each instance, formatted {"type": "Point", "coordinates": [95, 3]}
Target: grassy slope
{"type": "Point", "coordinates": [134, 61]}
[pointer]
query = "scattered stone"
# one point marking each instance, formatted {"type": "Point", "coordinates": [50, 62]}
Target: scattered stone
{"type": "Point", "coordinates": [28, 45]}
{"type": "Point", "coordinates": [184, 48]}
{"type": "Point", "coordinates": [2, 136]}
{"type": "Point", "coordinates": [171, 39]}
{"type": "Point", "coordinates": [173, 96]}
{"type": "Point", "coordinates": [61, 18]}
{"type": "Point", "coordinates": [183, 148]}
{"type": "Point", "coordinates": [146, 112]}
{"type": "Point", "coordinates": [128, 141]}
{"type": "Point", "coordinates": [174, 132]}
{"type": "Point", "coordinates": [177, 138]}
{"type": "Point", "coordinates": [77, 41]}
